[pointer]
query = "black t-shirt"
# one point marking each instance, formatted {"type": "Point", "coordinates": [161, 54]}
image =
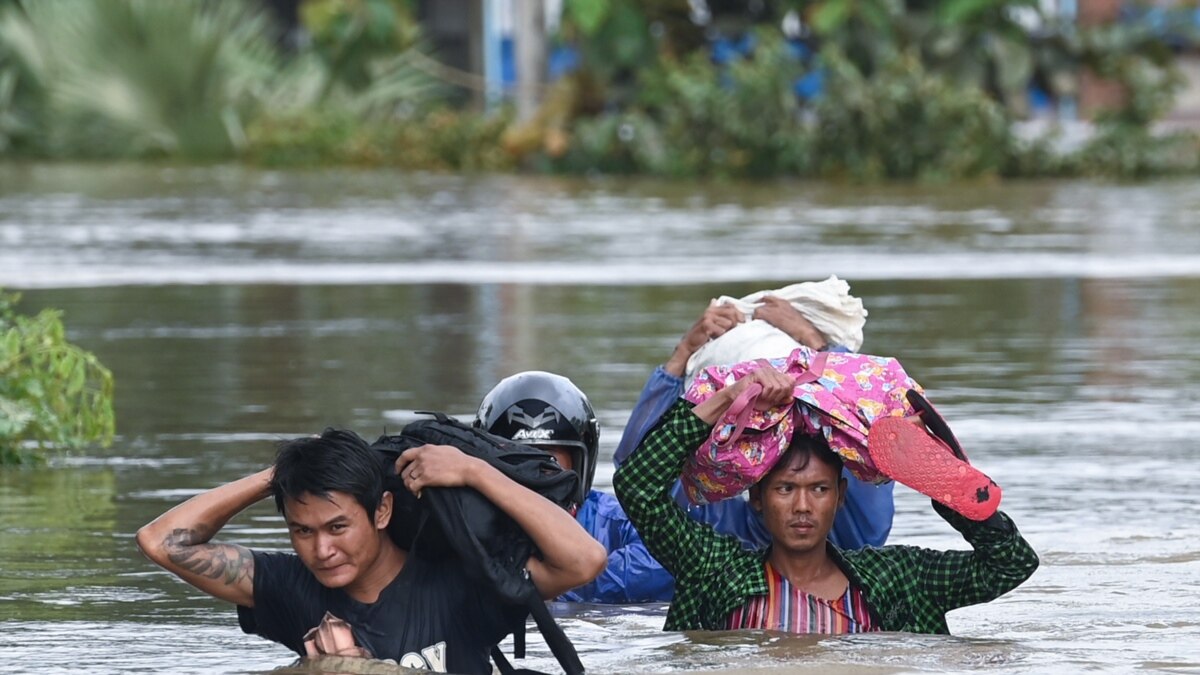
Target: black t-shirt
{"type": "Point", "coordinates": [431, 616]}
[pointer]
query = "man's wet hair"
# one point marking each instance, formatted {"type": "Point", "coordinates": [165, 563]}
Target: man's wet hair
{"type": "Point", "coordinates": [336, 461]}
{"type": "Point", "coordinates": [809, 447]}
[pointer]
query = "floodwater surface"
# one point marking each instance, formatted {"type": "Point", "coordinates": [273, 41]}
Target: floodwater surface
{"type": "Point", "coordinates": [1054, 324]}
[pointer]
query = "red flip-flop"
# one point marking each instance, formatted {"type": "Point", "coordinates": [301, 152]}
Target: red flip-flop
{"type": "Point", "coordinates": [905, 452]}
{"type": "Point", "coordinates": [934, 422]}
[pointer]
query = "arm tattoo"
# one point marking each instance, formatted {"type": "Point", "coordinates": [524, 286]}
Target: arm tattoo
{"type": "Point", "coordinates": [214, 561]}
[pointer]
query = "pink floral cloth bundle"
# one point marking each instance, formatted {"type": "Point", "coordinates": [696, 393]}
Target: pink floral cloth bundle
{"type": "Point", "coordinates": [837, 395]}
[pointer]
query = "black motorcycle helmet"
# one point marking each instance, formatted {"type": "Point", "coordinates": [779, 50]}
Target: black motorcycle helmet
{"type": "Point", "coordinates": [543, 409]}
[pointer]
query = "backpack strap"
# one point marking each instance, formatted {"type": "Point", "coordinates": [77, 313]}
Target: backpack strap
{"type": "Point", "coordinates": [560, 645]}
{"type": "Point", "coordinates": [519, 640]}
{"type": "Point", "coordinates": [506, 668]}
{"type": "Point", "coordinates": [439, 416]}
{"type": "Point", "coordinates": [502, 662]}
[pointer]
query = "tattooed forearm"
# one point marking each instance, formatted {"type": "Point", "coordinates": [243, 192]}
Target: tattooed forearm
{"type": "Point", "coordinates": [224, 562]}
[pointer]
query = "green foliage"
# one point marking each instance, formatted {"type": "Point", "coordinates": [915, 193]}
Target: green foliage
{"type": "Point", "coordinates": [614, 39]}
{"type": "Point", "coordinates": [1040, 156]}
{"type": "Point", "coordinates": [695, 119]}
{"type": "Point", "coordinates": [618, 143]}
{"type": "Point", "coordinates": [905, 122]}
{"type": "Point", "coordinates": [449, 140]}
{"type": "Point", "coordinates": [305, 87]}
{"type": "Point", "coordinates": [351, 36]}
{"type": "Point", "coordinates": [859, 28]}
{"type": "Point", "coordinates": [52, 393]}
{"type": "Point", "coordinates": [1140, 62]}
{"type": "Point", "coordinates": [588, 15]}
{"type": "Point", "coordinates": [438, 140]}
{"type": "Point", "coordinates": [1134, 55]}
{"type": "Point", "coordinates": [303, 137]}
{"type": "Point", "coordinates": [145, 78]}
{"type": "Point", "coordinates": [912, 89]}
{"type": "Point", "coordinates": [744, 120]}
{"type": "Point", "coordinates": [140, 77]}
{"type": "Point", "coordinates": [1125, 150]}
{"type": "Point", "coordinates": [980, 44]}
{"type": "Point", "coordinates": [21, 95]}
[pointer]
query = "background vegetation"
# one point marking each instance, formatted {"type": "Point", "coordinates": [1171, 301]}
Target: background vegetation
{"type": "Point", "coordinates": [858, 89]}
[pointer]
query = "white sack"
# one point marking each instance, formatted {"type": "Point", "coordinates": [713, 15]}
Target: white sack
{"type": "Point", "coordinates": [827, 304]}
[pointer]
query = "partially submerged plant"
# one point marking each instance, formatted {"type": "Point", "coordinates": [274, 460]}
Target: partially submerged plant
{"type": "Point", "coordinates": [53, 394]}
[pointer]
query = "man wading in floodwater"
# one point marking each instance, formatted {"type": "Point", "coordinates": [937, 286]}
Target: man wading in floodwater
{"type": "Point", "coordinates": [801, 583]}
{"type": "Point", "coordinates": [348, 589]}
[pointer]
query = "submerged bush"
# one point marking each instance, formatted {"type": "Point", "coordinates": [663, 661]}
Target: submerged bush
{"type": "Point", "coordinates": [53, 395]}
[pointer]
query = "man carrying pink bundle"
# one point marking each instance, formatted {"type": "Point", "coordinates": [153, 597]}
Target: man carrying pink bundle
{"type": "Point", "coordinates": [800, 582]}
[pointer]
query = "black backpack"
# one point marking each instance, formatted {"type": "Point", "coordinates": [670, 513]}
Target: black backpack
{"type": "Point", "coordinates": [461, 523]}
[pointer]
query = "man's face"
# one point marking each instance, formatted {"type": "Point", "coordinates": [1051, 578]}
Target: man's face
{"type": "Point", "coordinates": [565, 459]}
{"type": "Point", "coordinates": [334, 536]}
{"type": "Point", "coordinates": [563, 455]}
{"type": "Point", "coordinates": [799, 501]}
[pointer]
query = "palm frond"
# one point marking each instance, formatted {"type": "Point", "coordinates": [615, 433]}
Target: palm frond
{"type": "Point", "coordinates": [145, 76]}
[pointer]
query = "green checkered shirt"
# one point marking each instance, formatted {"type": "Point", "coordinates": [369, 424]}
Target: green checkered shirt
{"type": "Point", "coordinates": [907, 588]}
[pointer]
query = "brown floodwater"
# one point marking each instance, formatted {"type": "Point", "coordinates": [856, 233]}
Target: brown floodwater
{"type": "Point", "coordinates": [1054, 323]}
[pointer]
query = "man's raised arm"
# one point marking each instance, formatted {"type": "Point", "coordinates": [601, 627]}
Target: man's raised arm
{"type": "Point", "coordinates": [179, 540]}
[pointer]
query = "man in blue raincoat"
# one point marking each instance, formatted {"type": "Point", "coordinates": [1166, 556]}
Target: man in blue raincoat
{"type": "Point", "coordinates": [866, 517]}
{"type": "Point", "coordinates": [547, 410]}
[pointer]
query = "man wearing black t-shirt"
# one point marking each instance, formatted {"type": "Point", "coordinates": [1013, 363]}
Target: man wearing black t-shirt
{"type": "Point", "coordinates": [348, 589]}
